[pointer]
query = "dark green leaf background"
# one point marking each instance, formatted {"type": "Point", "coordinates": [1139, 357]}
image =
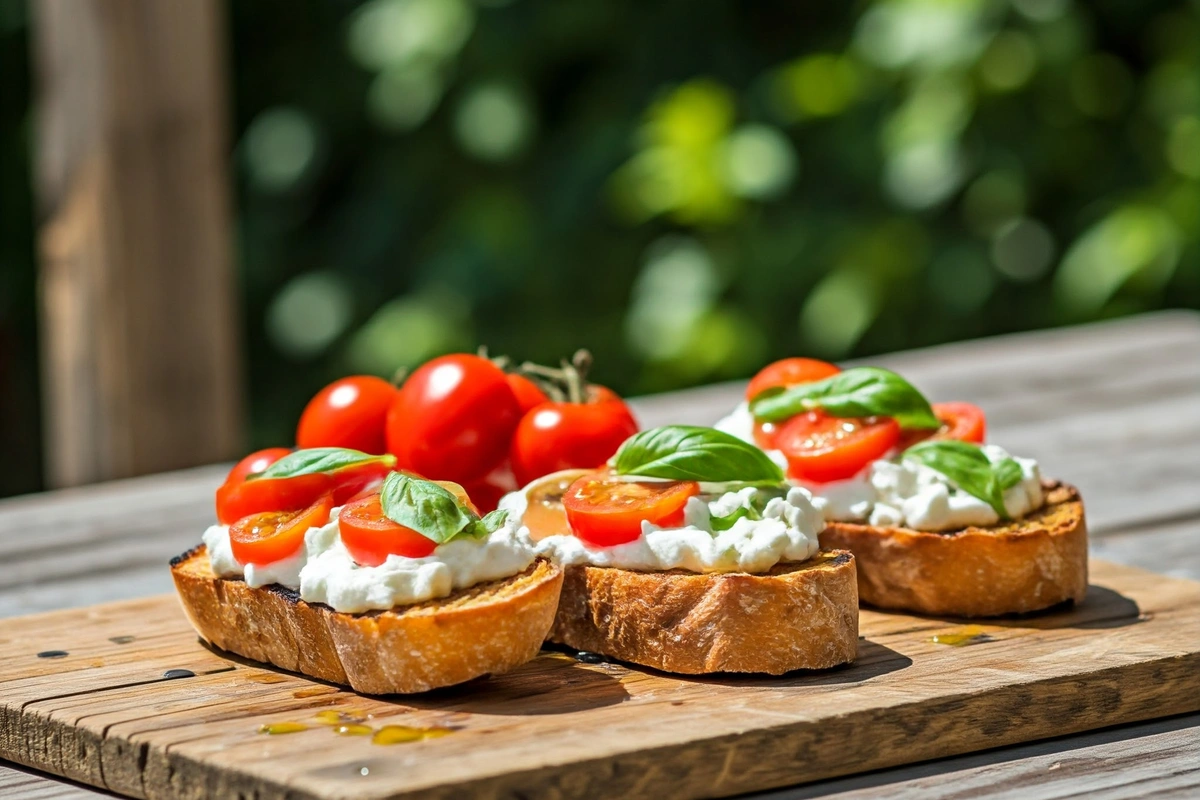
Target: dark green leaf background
{"type": "Point", "coordinates": [688, 193]}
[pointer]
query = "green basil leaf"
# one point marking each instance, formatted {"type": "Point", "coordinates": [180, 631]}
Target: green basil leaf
{"type": "Point", "coordinates": [969, 468]}
{"type": "Point", "coordinates": [726, 522]}
{"type": "Point", "coordinates": [489, 524]}
{"type": "Point", "coordinates": [858, 392]}
{"type": "Point", "coordinates": [425, 507]}
{"type": "Point", "coordinates": [317, 459]}
{"type": "Point", "coordinates": [692, 453]}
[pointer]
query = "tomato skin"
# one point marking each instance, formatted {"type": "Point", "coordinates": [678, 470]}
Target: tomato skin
{"type": "Point", "coordinates": [820, 448]}
{"type": "Point", "coordinates": [255, 462]}
{"type": "Point", "coordinates": [350, 412]}
{"type": "Point", "coordinates": [965, 422]}
{"type": "Point", "coordinates": [557, 436]}
{"type": "Point", "coordinates": [453, 419]}
{"type": "Point", "coordinates": [487, 491]}
{"type": "Point", "coordinates": [359, 479]}
{"type": "Point", "coordinates": [238, 500]}
{"type": "Point", "coordinates": [605, 512]}
{"type": "Point", "coordinates": [271, 536]}
{"type": "Point", "coordinates": [371, 537]}
{"type": "Point", "coordinates": [789, 372]}
{"type": "Point", "coordinates": [528, 393]}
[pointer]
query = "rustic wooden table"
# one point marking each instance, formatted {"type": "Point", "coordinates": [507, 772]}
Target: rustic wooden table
{"type": "Point", "coordinates": [1113, 407]}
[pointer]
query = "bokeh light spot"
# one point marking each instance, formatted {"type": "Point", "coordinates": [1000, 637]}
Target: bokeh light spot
{"type": "Point", "coordinates": [1041, 10]}
{"type": "Point", "coordinates": [820, 85]}
{"type": "Point", "coordinates": [1183, 147]}
{"type": "Point", "coordinates": [279, 147]}
{"type": "Point", "coordinates": [309, 313]}
{"type": "Point", "coordinates": [838, 312]}
{"type": "Point", "coordinates": [759, 162]}
{"type": "Point", "coordinates": [1009, 61]}
{"type": "Point", "coordinates": [961, 279]}
{"type": "Point", "coordinates": [411, 329]}
{"type": "Point", "coordinates": [924, 175]}
{"type": "Point", "coordinates": [401, 98]}
{"type": "Point", "coordinates": [678, 283]}
{"type": "Point", "coordinates": [932, 33]}
{"type": "Point", "coordinates": [1022, 249]}
{"type": "Point", "coordinates": [1136, 245]}
{"type": "Point", "coordinates": [493, 122]}
{"type": "Point", "coordinates": [385, 33]}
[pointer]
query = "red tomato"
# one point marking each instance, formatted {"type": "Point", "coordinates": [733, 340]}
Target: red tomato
{"type": "Point", "coordinates": [351, 412]}
{"type": "Point", "coordinates": [528, 393]}
{"type": "Point", "coordinates": [371, 537]}
{"type": "Point", "coordinates": [602, 394]}
{"type": "Point", "coordinates": [255, 462]}
{"type": "Point", "coordinates": [238, 500]}
{"type": "Point", "coordinates": [820, 448]}
{"type": "Point", "coordinates": [453, 418]}
{"type": "Point", "coordinates": [358, 479]}
{"type": "Point", "coordinates": [962, 421]}
{"type": "Point", "coordinates": [487, 491]}
{"type": "Point", "coordinates": [558, 436]}
{"type": "Point", "coordinates": [789, 372]}
{"type": "Point", "coordinates": [274, 535]}
{"type": "Point", "coordinates": [606, 512]}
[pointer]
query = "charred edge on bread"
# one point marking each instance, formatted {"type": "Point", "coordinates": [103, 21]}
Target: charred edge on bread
{"type": "Point", "coordinates": [182, 557]}
{"type": "Point", "coordinates": [289, 595]}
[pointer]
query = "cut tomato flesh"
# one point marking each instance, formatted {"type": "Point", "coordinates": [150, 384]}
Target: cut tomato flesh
{"type": "Point", "coordinates": [965, 422]}
{"type": "Point", "coordinates": [238, 500]}
{"type": "Point", "coordinates": [820, 448]}
{"type": "Point", "coordinates": [275, 535]}
{"type": "Point", "coordinates": [789, 372]}
{"type": "Point", "coordinates": [370, 536]}
{"type": "Point", "coordinates": [605, 511]}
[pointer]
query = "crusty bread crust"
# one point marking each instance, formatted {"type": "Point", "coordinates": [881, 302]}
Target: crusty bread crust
{"type": "Point", "coordinates": [1028, 565]}
{"type": "Point", "coordinates": [797, 616]}
{"type": "Point", "coordinates": [489, 628]}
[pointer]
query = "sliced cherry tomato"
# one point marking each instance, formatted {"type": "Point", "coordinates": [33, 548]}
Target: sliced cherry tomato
{"type": "Point", "coordinates": [789, 372]}
{"type": "Point", "coordinates": [255, 462]}
{"type": "Point", "coordinates": [238, 500]}
{"type": "Point", "coordinates": [528, 393]}
{"type": "Point", "coordinates": [604, 511]}
{"type": "Point", "coordinates": [558, 436]}
{"type": "Point", "coordinates": [963, 421]}
{"type": "Point", "coordinates": [821, 448]}
{"type": "Point", "coordinates": [275, 535]}
{"type": "Point", "coordinates": [371, 537]}
{"type": "Point", "coordinates": [453, 419]}
{"type": "Point", "coordinates": [544, 513]}
{"type": "Point", "coordinates": [359, 479]}
{"type": "Point", "coordinates": [351, 412]}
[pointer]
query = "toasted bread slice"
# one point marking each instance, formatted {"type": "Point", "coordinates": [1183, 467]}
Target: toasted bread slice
{"type": "Point", "coordinates": [489, 628]}
{"type": "Point", "coordinates": [1028, 565]}
{"type": "Point", "coordinates": [797, 616]}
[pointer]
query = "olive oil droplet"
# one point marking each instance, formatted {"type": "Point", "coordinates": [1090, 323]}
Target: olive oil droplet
{"type": "Point", "coordinates": [972, 634]}
{"type": "Point", "coordinates": [335, 717]}
{"type": "Point", "coordinates": [399, 734]}
{"type": "Point", "coordinates": [277, 728]}
{"type": "Point", "coordinates": [353, 730]}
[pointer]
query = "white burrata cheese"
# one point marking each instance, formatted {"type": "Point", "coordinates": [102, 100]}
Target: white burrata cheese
{"type": "Point", "coordinates": [900, 492]}
{"type": "Point", "coordinates": [323, 571]}
{"type": "Point", "coordinates": [787, 531]}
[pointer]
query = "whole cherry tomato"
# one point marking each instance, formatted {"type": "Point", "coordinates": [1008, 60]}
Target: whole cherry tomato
{"type": "Point", "coordinates": [275, 535]}
{"type": "Point", "coordinates": [487, 491]}
{"type": "Point", "coordinates": [821, 448]}
{"type": "Point", "coordinates": [604, 511]}
{"type": "Point", "coordinates": [453, 419]}
{"type": "Point", "coordinates": [528, 393]}
{"type": "Point", "coordinates": [558, 436]}
{"type": "Point", "coordinates": [789, 372]}
{"type": "Point", "coordinates": [255, 462]}
{"type": "Point", "coordinates": [351, 412]}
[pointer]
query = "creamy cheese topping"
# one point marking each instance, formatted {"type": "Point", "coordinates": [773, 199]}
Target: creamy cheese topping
{"type": "Point", "coordinates": [324, 572]}
{"type": "Point", "coordinates": [786, 531]}
{"type": "Point", "coordinates": [901, 492]}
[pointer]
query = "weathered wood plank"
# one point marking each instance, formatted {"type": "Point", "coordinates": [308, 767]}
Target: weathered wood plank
{"type": "Point", "coordinates": [1131, 652]}
{"type": "Point", "coordinates": [139, 324]}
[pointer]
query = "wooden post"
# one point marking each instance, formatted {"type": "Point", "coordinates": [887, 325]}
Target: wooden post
{"type": "Point", "coordinates": [139, 325]}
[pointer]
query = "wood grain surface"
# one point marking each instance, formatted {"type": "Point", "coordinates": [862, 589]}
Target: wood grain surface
{"type": "Point", "coordinates": [1115, 407]}
{"type": "Point", "coordinates": [107, 713]}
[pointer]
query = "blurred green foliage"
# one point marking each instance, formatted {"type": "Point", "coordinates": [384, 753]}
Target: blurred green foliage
{"type": "Point", "coordinates": [693, 190]}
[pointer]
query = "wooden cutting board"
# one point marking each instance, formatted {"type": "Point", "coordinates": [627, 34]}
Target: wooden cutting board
{"type": "Point", "coordinates": [105, 708]}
